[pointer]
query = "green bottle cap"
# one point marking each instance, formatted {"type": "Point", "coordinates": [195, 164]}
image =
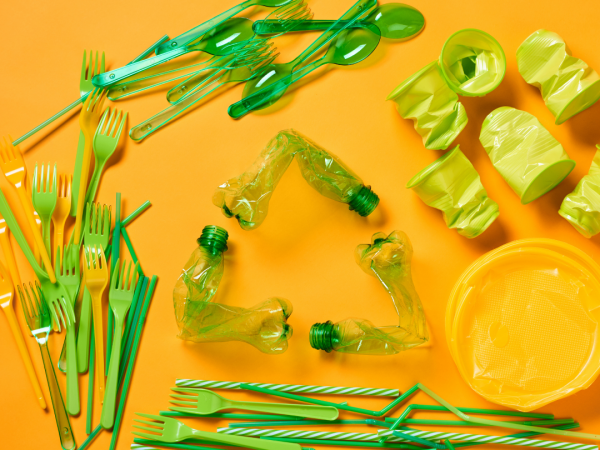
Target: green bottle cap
{"type": "Point", "coordinates": [213, 238]}
{"type": "Point", "coordinates": [321, 336]}
{"type": "Point", "coordinates": [364, 202]}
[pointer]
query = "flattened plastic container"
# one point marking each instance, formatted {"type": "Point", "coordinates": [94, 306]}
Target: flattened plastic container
{"type": "Point", "coordinates": [522, 323]}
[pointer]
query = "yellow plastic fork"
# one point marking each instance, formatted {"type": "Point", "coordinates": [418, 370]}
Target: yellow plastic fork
{"type": "Point", "coordinates": [96, 279]}
{"type": "Point", "coordinates": [13, 167]}
{"type": "Point", "coordinates": [89, 117]}
{"type": "Point", "coordinates": [9, 255]}
{"type": "Point", "coordinates": [61, 212]}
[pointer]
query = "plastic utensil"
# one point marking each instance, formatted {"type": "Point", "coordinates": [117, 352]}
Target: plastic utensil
{"type": "Point", "coordinates": [452, 185]}
{"type": "Point", "coordinates": [582, 206]}
{"type": "Point", "coordinates": [395, 20]}
{"type": "Point", "coordinates": [88, 70]}
{"type": "Point", "coordinates": [536, 285]}
{"type": "Point", "coordinates": [44, 197]}
{"type": "Point", "coordinates": [38, 320]}
{"type": "Point", "coordinates": [567, 84]}
{"type": "Point", "coordinates": [388, 258]}
{"type": "Point", "coordinates": [204, 28]}
{"type": "Point", "coordinates": [96, 279]}
{"type": "Point", "coordinates": [13, 167]}
{"type": "Point", "coordinates": [262, 91]}
{"type": "Point", "coordinates": [526, 155]}
{"type": "Point", "coordinates": [122, 286]}
{"type": "Point", "coordinates": [426, 98]}
{"type": "Point", "coordinates": [68, 317]}
{"type": "Point", "coordinates": [106, 141]}
{"type": "Point", "coordinates": [246, 197]}
{"type": "Point", "coordinates": [172, 430]}
{"type": "Point", "coordinates": [96, 234]}
{"type": "Point", "coordinates": [222, 40]}
{"type": "Point", "coordinates": [7, 292]}
{"type": "Point", "coordinates": [203, 401]}
{"type": "Point", "coordinates": [62, 210]}
{"type": "Point", "coordinates": [9, 255]}
{"type": "Point", "coordinates": [67, 272]}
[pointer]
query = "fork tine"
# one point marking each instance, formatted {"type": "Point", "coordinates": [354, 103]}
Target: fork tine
{"type": "Point", "coordinates": [107, 219]}
{"type": "Point", "coordinates": [110, 126]}
{"type": "Point", "coordinates": [121, 125]}
{"type": "Point", "coordinates": [53, 187]}
{"type": "Point", "coordinates": [182, 400]}
{"type": "Point", "coordinates": [69, 181]}
{"type": "Point", "coordinates": [124, 277]}
{"type": "Point", "coordinates": [84, 65]}
{"type": "Point", "coordinates": [102, 120]}
{"type": "Point", "coordinates": [141, 427]}
{"type": "Point", "coordinates": [182, 404]}
{"type": "Point", "coordinates": [154, 424]}
{"type": "Point", "coordinates": [147, 435]}
{"type": "Point", "coordinates": [188, 396]}
{"type": "Point", "coordinates": [100, 101]}
{"type": "Point", "coordinates": [102, 257]}
{"type": "Point", "coordinates": [114, 281]}
{"type": "Point", "coordinates": [102, 70]}
{"type": "Point", "coordinates": [181, 409]}
{"type": "Point", "coordinates": [111, 133]}
{"type": "Point", "coordinates": [160, 419]}
{"type": "Point", "coordinates": [34, 183]}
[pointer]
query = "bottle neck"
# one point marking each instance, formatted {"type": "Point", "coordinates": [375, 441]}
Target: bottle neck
{"type": "Point", "coordinates": [322, 336]}
{"type": "Point", "coordinates": [364, 202]}
{"type": "Point", "coordinates": [213, 239]}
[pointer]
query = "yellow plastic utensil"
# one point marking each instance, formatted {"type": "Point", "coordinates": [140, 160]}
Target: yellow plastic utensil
{"type": "Point", "coordinates": [61, 212]}
{"type": "Point", "coordinates": [9, 255]}
{"type": "Point", "coordinates": [7, 292]}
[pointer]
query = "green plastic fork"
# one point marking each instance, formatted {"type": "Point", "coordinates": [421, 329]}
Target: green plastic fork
{"type": "Point", "coordinates": [172, 430]}
{"type": "Point", "coordinates": [68, 273]}
{"type": "Point", "coordinates": [44, 197]}
{"type": "Point", "coordinates": [120, 296]}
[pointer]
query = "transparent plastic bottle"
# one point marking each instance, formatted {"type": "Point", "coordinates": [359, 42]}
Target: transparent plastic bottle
{"type": "Point", "coordinates": [389, 259]}
{"type": "Point", "coordinates": [200, 320]}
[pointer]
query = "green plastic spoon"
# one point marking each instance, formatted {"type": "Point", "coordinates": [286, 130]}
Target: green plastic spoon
{"type": "Point", "coordinates": [395, 20]}
{"type": "Point", "coordinates": [222, 40]}
{"type": "Point", "coordinates": [350, 47]}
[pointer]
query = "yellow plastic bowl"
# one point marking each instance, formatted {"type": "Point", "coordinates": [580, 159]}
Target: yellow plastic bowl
{"type": "Point", "coordinates": [522, 323]}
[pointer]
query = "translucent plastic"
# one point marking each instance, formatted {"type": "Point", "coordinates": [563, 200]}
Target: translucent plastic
{"type": "Point", "coordinates": [201, 320]}
{"type": "Point", "coordinates": [527, 156]}
{"type": "Point", "coordinates": [247, 196]}
{"type": "Point", "coordinates": [582, 206]}
{"type": "Point", "coordinates": [388, 258]}
{"type": "Point", "coordinates": [567, 84]}
{"type": "Point", "coordinates": [522, 323]}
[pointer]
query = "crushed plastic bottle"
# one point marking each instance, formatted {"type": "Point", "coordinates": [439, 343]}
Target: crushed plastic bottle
{"type": "Point", "coordinates": [201, 320]}
{"type": "Point", "coordinates": [389, 259]}
{"type": "Point", "coordinates": [247, 196]}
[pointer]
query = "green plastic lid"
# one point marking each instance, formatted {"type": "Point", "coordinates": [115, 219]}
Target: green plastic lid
{"type": "Point", "coordinates": [321, 336]}
{"type": "Point", "coordinates": [213, 238]}
{"type": "Point", "coordinates": [364, 202]}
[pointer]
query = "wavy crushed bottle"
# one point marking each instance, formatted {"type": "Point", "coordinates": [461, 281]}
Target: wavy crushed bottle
{"type": "Point", "coordinates": [201, 320]}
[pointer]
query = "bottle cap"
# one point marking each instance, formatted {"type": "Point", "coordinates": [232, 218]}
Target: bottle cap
{"type": "Point", "coordinates": [321, 336]}
{"type": "Point", "coordinates": [364, 202]}
{"type": "Point", "coordinates": [213, 238]}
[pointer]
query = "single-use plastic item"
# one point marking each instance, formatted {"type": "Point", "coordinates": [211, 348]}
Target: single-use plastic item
{"type": "Point", "coordinates": [63, 207]}
{"type": "Point", "coordinates": [567, 84]}
{"type": "Point", "coordinates": [527, 156]}
{"type": "Point", "coordinates": [68, 273]}
{"type": "Point", "coordinates": [395, 20]}
{"type": "Point", "coordinates": [201, 320]}
{"type": "Point", "coordinates": [426, 98]}
{"type": "Point", "coordinates": [247, 196]}
{"type": "Point", "coordinates": [203, 401]}
{"type": "Point", "coordinates": [472, 62]}
{"type": "Point", "coordinates": [522, 323]}
{"type": "Point", "coordinates": [452, 185]}
{"type": "Point", "coordinates": [582, 206]}
{"type": "Point", "coordinates": [388, 258]}
{"type": "Point", "coordinates": [44, 197]}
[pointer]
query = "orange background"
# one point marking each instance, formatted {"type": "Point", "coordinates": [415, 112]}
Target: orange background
{"type": "Point", "coordinates": [304, 250]}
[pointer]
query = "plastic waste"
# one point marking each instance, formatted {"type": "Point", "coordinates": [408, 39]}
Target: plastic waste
{"type": "Point", "coordinates": [247, 196]}
{"type": "Point", "coordinates": [201, 320]}
{"type": "Point", "coordinates": [388, 258]}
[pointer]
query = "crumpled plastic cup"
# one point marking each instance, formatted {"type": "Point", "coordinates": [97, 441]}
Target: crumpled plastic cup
{"type": "Point", "coordinates": [426, 99]}
{"type": "Point", "coordinates": [452, 185]}
{"type": "Point", "coordinates": [526, 155]}
{"type": "Point", "coordinates": [567, 84]}
{"type": "Point", "coordinates": [472, 62]}
{"type": "Point", "coordinates": [582, 206]}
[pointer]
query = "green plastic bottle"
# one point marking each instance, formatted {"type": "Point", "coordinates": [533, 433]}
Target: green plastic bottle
{"type": "Point", "coordinates": [389, 259]}
{"type": "Point", "coordinates": [246, 197]}
{"type": "Point", "coordinates": [200, 320]}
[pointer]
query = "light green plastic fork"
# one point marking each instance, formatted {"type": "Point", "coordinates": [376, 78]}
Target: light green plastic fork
{"type": "Point", "coordinates": [44, 196]}
{"type": "Point", "coordinates": [172, 430]}
{"type": "Point", "coordinates": [67, 270]}
{"type": "Point", "coordinates": [120, 296]}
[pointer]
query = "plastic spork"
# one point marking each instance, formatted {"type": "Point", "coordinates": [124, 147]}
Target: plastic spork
{"type": "Point", "coordinates": [203, 401]}
{"type": "Point", "coordinates": [172, 430]}
{"type": "Point", "coordinates": [44, 197]}
{"type": "Point", "coordinates": [13, 167]}
{"type": "Point", "coordinates": [122, 287]}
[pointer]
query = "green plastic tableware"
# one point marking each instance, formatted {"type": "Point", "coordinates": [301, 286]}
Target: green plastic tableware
{"type": "Point", "coordinates": [452, 185]}
{"type": "Point", "coordinates": [222, 40]}
{"type": "Point", "coordinates": [582, 206]}
{"type": "Point", "coordinates": [527, 156]}
{"type": "Point", "coordinates": [567, 84]}
{"type": "Point", "coordinates": [387, 258]}
{"type": "Point", "coordinates": [273, 76]}
{"type": "Point", "coordinates": [395, 20]}
{"type": "Point", "coordinates": [472, 62]}
{"type": "Point", "coordinates": [426, 98]}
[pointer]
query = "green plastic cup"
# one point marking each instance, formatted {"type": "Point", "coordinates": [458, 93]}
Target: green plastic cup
{"type": "Point", "coordinates": [582, 206]}
{"type": "Point", "coordinates": [567, 84]}
{"type": "Point", "coordinates": [527, 156]}
{"type": "Point", "coordinates": [472, 62]}
{"type": "Point", "coordinates": [452, 185]}
{"type": "Point", "coordinates": [426, 99]}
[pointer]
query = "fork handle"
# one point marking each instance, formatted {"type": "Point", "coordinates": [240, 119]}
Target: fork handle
{"type": "Point", "coordinates": [94, 182]}
{"type": "Point", "coordinates": [73, 403]}
{"type": "Point", "coordinates": [107, 420]}
{"type": "Point", "coordinates": [65, 433]}
{"type": "Point", "coordinates": [99, 342]}
{"type": "Point", "coordinates": [241, 441]}
{"type": "Point", "coordinates": [299, 410]}
{"type": "Point", "coordinates": [84, 332]}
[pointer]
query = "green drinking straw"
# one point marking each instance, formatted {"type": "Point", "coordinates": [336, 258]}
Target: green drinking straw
{"type": "Point", "coordinates": [116, 244]}
{"type": "Point", "coordinates": [143, 443]}
{"type": "Point", "coordinates": [135, 313]}
{"type": "Point", "coordinates": [232, 416]}
{"type": "Point", "coordinates": [132, 317]}
{"type": "Point", "coordinates": [136, 213]}
{"type": "Point", "coordinates": [418, 440]}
